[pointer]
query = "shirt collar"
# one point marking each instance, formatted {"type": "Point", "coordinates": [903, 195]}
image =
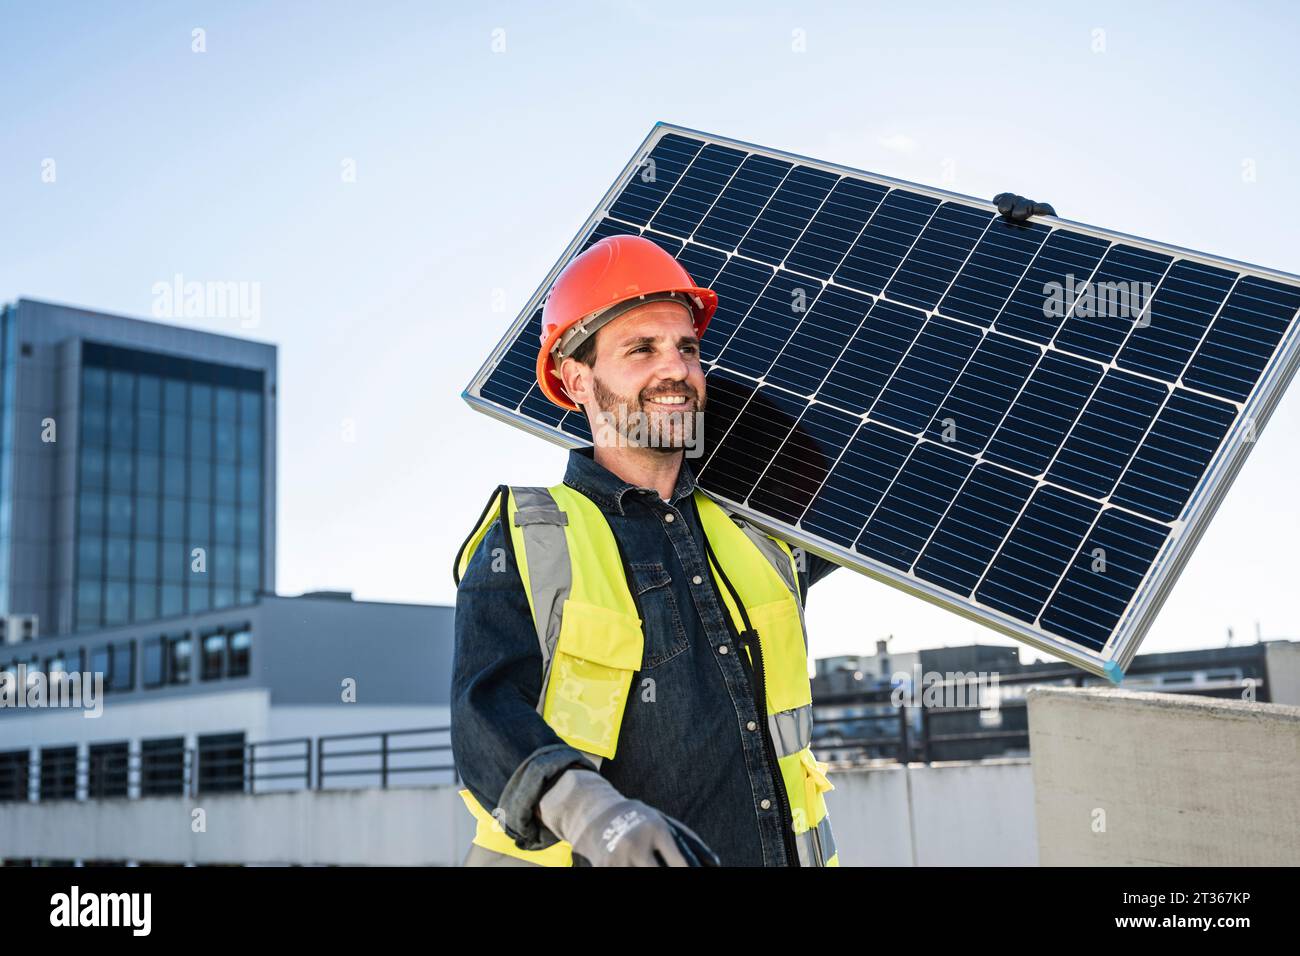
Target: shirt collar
{"type": "Point", "coordinates": [607, 489]}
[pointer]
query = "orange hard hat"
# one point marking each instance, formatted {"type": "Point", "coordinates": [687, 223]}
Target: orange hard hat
{"type": "Point", "coordinates": [614, 275]}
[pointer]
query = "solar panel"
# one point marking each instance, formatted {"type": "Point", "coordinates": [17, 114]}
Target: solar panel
{"type": "Point", "coordinates": [1028, 424]}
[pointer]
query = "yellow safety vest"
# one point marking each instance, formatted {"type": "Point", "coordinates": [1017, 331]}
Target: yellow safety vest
{"type": "Point", "coordinates": [591, 642]}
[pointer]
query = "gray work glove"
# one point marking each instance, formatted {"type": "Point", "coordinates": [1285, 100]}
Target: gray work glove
{"type": "Point", "coordinates": [606, 828]}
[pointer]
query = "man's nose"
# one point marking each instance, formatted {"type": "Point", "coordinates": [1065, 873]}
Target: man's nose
{"type": "Point", "coordinates": [673, 366]}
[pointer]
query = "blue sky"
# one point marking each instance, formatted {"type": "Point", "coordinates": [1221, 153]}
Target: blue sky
{"type": "Point", "coordinates": [475, 167]}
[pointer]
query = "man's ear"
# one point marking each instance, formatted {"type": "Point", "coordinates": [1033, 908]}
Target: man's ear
{"type": "Point", "coordinates": [576, 378]}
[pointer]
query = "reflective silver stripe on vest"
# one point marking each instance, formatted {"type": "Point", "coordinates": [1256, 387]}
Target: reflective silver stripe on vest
{"type": "Point", "coordinates": [815, 845]}
{"type": "Point", "coordinates": [806, 844]}
{"type": "Point", "coordinates": [791, 729]}
{"type": "Point", "coordinates": [550, 573]}
{"type": "Point", "coordinates": [825, 839]}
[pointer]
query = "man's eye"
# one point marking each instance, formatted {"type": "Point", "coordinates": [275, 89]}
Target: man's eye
{"type": "Point", "coordinates": [641, 348]}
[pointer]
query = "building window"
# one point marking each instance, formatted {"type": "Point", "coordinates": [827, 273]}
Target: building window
{"type": "Point", "coordinates": [108, 770]}
{"type": "Point", "coordinates": [15, 769]}
{"type": "Point", "coordinates": [167, 660]}
{"type": "Point", "coordinates": [162, 767]}
{"type": "Point", "coordinates": [179, 654]}
{"type": "Point", "coordinates": [214, 656]}
{"type": "Point", "coordinates": [155, 661]}
{"type": "Point", "coordinates": [123, 670]}
{"type": "Point", "coordinates": [101, 662]}
{"type": "Point", "coordinates": [241, 643]}
{"type": "Point", "coordinates": [225, 653]}
{"type": "Point", "coordinates": [67, 661]}
{"type": "Point", "coordinates": [117, 663]}
{"type": "Point", "coordinates": [221, 763]}
{"type": "Point", "coordinates": [58, 773]}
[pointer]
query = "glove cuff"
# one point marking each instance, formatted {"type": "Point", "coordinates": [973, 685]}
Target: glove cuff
{"type": "Point", "coordinates": [576, 799]}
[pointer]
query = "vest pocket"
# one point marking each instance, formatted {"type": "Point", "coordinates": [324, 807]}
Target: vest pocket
{"type": "Point", "coordinates": [591, 672]}
{"type": "Point", "coordinates": [785, 661]}
{"type": "Point", "coordinates": [665, 635]}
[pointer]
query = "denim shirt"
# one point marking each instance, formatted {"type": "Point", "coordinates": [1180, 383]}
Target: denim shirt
{"type": "Point", "coordinates": [685, 746]}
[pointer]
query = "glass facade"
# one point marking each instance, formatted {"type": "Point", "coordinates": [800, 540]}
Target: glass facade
{"type": "Point", "coordinates": [169, 504]}
{"type": "Point", "coordinates": [8, 383]}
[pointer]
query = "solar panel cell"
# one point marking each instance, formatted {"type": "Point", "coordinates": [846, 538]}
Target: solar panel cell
{"type": "Point", "coordinates": [871, 356]}
{"type": "Point", "coordinates": [1174, 455]}
{"type": "Point", "coordinates": [655, 178]}
{"type": "Point", "coordinates": [516, 373]}
{"type": "Point", "coordinates": [925, 375]}
{"type": "Point", "coordinates": [1036, 552]}
{"type": "Point", "coordinates": [1115, 419]}
{"type": "Point", "coordinates": [818, 341]}
{"type": "Point", "coordinates": [983, 393]}
{"type": "Point", "coordinates": [1042, 414]}
{"type": "Point", "coordinates": [749, 446]}
{"type": "Point", "coordinates": [857, 482]}
{"type": "Point", "coordinates": [910, 510]}
{"type": "Point", "coordinates": [1112, 302]}
{"type": "Point", "coordinates": [1243, 338]}
{"type": "Point", "coordinates": [887, 238]}
{"type": "Point", "coordinates": [993, 271]}
{"type": "Point", "coordinates": [969, 535]}
{"type": "Point", "coordinates": [697, 190]}
{"type": "Point", "coordinates": [787, 214]}
{"type": "Point", "coordinates": [834, 227]}
{"type": "Point", "coordinates": [769, 324]}
{"type": "Point", "coordinates": [802, 464]}
{"type": "Point", "coordinates": [740, 203]}
{"type": "Point", "coordinates": [1045, 295]}
{"type": "Point", "coordinates": [738, 285]}
{"type": "Point", "coordinates": [1180, 313]}
{"type": "Point", "coordinates": [940, 251]}
{"type": "Point", "coordinates": [1104, 577]}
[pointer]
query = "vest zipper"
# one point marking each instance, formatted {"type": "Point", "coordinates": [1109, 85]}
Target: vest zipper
{"type": "Point", "coordinates": [748, 639]}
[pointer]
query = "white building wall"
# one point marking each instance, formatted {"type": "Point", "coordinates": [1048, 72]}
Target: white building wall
{"type": "Point", "coordinates": [879, 816]}
{"type": "Point", "coordinates": [1143, 779]}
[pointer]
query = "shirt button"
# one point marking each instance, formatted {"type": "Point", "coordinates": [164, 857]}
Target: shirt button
{"type": "Point", "coordinates": [751, 726]}
{"type": "Point", "coordinates": [765, 803]}
{"type": "Point", "coordinates": [668, 518]}
{"type": "Point", "coordinates": [697, 580]}
{"type": "Point", "coordinates": [722, 649]}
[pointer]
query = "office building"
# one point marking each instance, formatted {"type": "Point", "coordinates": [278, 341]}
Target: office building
{"type": "Point", "coordinates": [137, 469]}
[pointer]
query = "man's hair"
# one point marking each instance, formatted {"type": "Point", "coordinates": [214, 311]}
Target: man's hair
{"type": "Point", "coordinates": [586, 352]}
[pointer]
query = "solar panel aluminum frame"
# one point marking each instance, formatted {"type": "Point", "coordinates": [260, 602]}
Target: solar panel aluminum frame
{"type": "Point", "coordinates": [1115, 656]}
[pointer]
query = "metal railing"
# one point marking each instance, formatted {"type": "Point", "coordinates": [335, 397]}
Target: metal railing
{"type": "Point", "coordinates": [259, 767]}
{"type": "Point", "coordinates": [384, 754]}
{"type": "Point", "coordinates": [924, 734]}
{"type": "Point", "coordinates": [164, 771]}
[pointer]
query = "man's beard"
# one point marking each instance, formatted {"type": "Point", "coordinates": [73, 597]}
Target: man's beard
{"type": "Point", "coordinates": [667, 431]}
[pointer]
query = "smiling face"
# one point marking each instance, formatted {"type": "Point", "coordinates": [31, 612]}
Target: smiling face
{"type": "Point", "coordinates": [646, 384]}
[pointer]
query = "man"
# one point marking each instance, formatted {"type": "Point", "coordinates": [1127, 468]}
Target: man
{"type": "Point", "coordinates": [630, 678]}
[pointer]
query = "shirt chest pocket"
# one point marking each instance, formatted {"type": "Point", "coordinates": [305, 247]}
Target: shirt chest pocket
{"type": "Point", "coordinates": [665, 634]}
